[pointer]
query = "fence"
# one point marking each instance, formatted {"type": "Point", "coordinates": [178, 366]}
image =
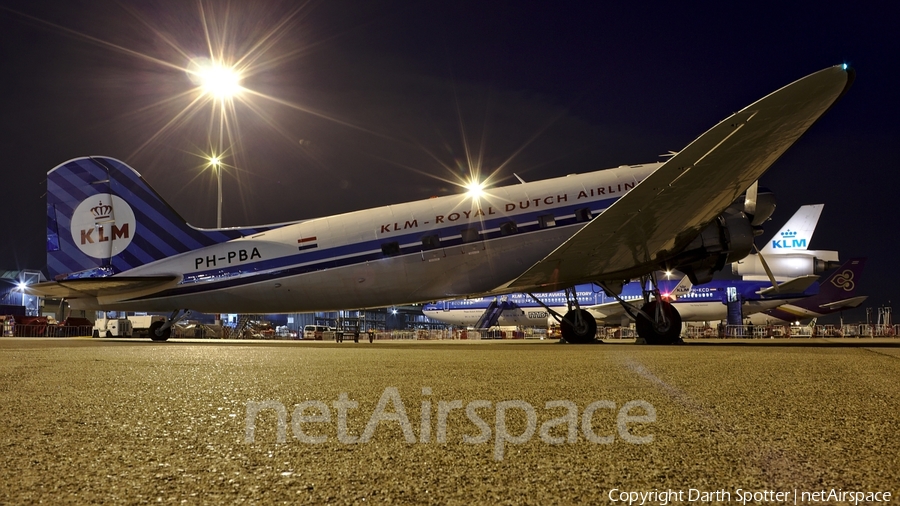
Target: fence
{"type": "Point", "coordinates": [689, 331]}
{"type": "Point", "coordinates": [780, 331]}
{"type": "Point", "coordinates": [616, 333]}
{"type": "Point", "coordinates": [46, 330]}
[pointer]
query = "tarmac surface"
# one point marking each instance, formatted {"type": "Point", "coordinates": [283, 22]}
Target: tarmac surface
{"type": "Point", "coordinates": [131, 421]}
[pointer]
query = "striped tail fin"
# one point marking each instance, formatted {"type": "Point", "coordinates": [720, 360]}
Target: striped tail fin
{"type": "Point", "coordinates": [104, 219]}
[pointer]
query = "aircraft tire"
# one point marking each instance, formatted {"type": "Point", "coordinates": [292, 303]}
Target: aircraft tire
{"type": "Point", "coordinates": [162, 336]}
{"type": "Point", "coordinates": [584, 334]}
{"type": "Point", "coordinates": [648, 330]}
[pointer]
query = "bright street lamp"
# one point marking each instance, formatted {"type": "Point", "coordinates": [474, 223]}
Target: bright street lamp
{"type": "Point", "coordinates": [221, 82]}
{"type": "Point", "coordinates": [215, 78]}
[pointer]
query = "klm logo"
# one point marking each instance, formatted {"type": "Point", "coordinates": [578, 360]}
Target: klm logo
{"type": "Point", "coordinates": [115, 233]}
{"type": "Point", "coordinates": [103, 225]}
{"type": "Point", "coordinates": [788, 241]}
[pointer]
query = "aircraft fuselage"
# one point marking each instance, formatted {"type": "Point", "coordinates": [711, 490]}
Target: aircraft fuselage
{"type": "Point", "coordinates": [414, 252]}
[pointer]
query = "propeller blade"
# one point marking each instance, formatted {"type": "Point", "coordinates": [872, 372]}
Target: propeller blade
{"type": "Point", "coordinates": [750, 198]}
{"type": "Point", "coordinates": [762, 260]}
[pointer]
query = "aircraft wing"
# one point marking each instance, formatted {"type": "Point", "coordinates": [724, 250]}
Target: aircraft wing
{"type": "Point", "coordinates": [845, 304]}
{"type": "Point", "coordinates": [109, 287]}
{"type": "Point", "coordinates": [796, 285]}
{"type": "Point", "coordinates": [667, 210]}
{"type": "Point", "coordinates": [606, 310]}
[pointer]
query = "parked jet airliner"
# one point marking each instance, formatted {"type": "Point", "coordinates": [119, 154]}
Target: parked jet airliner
{"type": "Point", "coordinates": [836, 293]}
{"type": "Point", "coordinates": [693, 303]}
{"type": "Point", "coordinates": [528, 310]}
{"type": "Point", "coordinates": [698, 303]}
{"type": "Point", "coordinates": [114, 244]}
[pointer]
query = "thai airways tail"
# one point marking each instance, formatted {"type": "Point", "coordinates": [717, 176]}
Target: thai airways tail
{"type": "Point", "coordinates": [836, 293]}
{"type": "Point", "coordinates": [104, 219]}
{"type": "Point", "coordinates": [840, 286]}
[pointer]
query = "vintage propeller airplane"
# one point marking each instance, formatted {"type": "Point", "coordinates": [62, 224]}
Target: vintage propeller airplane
{"type": "Point", "coordinates": [114, 244]}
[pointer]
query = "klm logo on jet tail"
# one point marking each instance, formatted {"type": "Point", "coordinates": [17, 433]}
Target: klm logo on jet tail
{"type": "Point", "coordinates": [788, 241]}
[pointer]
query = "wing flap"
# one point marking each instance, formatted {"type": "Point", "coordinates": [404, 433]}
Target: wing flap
{"type": "Point", "coordinates": [845, 304]}
{"type": "Point", "coordinates": [666, 210]}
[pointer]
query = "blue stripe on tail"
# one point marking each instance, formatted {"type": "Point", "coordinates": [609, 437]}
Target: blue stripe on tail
{"type": "Point", "coordinates": [104, 219]}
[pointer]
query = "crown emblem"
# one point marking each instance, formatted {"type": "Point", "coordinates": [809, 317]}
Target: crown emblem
{"type": "Point", "coordinates": [787, 234]}
{"type": "Point", "coordinates": [101, 211]}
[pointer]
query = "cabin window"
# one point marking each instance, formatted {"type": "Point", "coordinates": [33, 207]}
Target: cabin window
{"type": "Point", "coordinates": [547, 220]}
{"type": "Point", "coordinates": [469, 234]}
{"type": "Point", "coordinates": [583, 214]}
{"type": "Point", "coordinates": [390, 249]}
{"type": "Point", "coordinates": [431, 242]}
{"type": "Point", "coordinates": [508, 228]}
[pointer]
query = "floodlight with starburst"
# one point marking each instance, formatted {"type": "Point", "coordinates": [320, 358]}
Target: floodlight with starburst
{"type": "Point", "coordinates": [220, 81]}
{"type": "Point", "coordinates": [474, 189]}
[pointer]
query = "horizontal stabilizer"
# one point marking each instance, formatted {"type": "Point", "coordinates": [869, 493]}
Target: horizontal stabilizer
{"type": "Point", "coordinates": [796, 285]}
{"type": "Point", "coordinates": [116, 287]}
{"type": "Point", "coordinates": [845, 304]}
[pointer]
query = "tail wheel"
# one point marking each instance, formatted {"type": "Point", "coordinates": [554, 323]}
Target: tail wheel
{"type": "Point", "coordinates": [161, 335]}
{"type": "Point", "coordinates": [665, 328]}
{"type": "Point", "coordinates": [578, 328]}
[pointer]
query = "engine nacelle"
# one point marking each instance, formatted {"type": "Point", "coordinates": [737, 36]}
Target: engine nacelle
{"type": "Point", "coordinates": [765, 207]}
{"type": "Point", "coordinates": [726, 239]}
{"type": "Point", "coordinates": [783, 266]}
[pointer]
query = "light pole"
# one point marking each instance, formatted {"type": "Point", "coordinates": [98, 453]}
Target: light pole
{"type": "Point", "coordinates": [216, 164]}
{"type": "Point", "coordinates": [220, 83]}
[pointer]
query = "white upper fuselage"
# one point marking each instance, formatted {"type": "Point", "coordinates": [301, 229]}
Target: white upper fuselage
{"type": "Point", "coordinates": [413, 252]}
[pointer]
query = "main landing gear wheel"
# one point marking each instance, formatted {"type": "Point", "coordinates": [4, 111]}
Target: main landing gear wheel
{"type": "Point", "coordinates": [578, 328]}
{"type": "Point", "coordinates": [162, 335]}
{"type": "Point", "coordinates": [663, 330]}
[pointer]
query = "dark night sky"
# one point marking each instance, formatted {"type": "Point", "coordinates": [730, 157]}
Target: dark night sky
{"type": "Point", "coordinates": [388, 94]}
